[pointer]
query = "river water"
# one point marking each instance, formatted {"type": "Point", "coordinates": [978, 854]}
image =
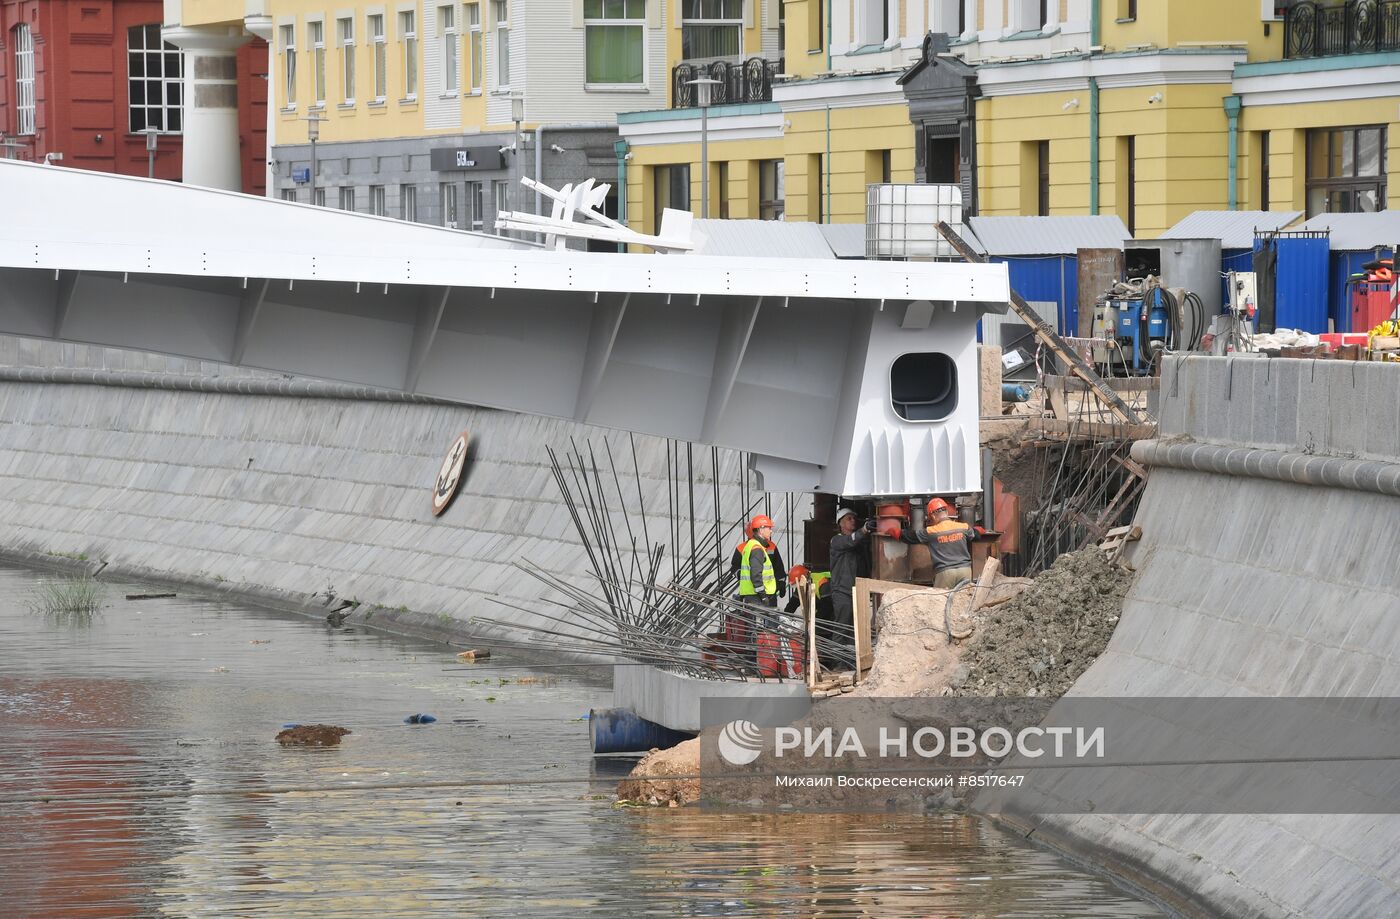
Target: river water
{"type": "Point", "coordinates": [139, 777]}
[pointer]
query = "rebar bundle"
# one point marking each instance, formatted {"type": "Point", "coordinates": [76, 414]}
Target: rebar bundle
{"type": "Point", "coordinates": [669, 603]}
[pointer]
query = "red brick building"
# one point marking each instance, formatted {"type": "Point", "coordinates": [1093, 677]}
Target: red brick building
{"type": "Point", "coordinates": [85, 78]}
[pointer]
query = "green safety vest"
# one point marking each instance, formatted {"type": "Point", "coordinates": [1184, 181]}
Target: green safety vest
{"type": "Point", "coordinates": [770, 582]}
{"type": "Point", "coordinates": [819, 579]}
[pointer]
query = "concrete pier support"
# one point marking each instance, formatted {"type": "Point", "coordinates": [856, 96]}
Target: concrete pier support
{"type": "Point", "coordinates": [211, 147]}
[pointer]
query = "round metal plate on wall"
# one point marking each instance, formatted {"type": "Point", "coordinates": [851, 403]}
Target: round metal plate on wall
{"type": "Point", "coordinates": [450, 475]}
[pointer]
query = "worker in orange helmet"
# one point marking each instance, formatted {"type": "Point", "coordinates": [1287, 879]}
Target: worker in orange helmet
{"type": "Point", "coordinates": [949, 541]}
{"type": "Point", "coordinates": [762, 578]}
{"type": "Point", "coordinates": [736, 561]}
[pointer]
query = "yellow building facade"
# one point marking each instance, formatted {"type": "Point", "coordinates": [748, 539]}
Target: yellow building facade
{"type": "Point", "coordinates": [802, 144]}
{"type": "Point", "coordinates": [1190, 105]}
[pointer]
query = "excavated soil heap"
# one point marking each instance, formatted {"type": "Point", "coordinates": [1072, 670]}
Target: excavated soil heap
{"type": "Point", "coordinates": [1039, 643]}
{"type": "Point", "coordinates": [312, 735]}
{"type": "Point", "coordinates": [653, 781]}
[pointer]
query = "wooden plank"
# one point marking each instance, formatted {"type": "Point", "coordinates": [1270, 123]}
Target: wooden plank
{"type": "Point", "coordinates": [1055, 390]}
{"type": "Point", "coordinates": [1093, 430]}
{"type": "Point", "coordinates": [809, 609]}
{"type": "Point", "coordinates": [1048, 336]}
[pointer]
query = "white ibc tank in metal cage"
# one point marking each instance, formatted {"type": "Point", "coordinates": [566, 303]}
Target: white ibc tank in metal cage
{"type": "Point", "coordinates": [901, 221]}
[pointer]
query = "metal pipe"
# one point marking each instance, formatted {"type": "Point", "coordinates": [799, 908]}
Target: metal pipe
{"type": "Point", "coordinates": [539, 163]}
{"type": "Point", "coordinates": [1233, 104]}
{"type": "Point", "coordinates": [704, 161]}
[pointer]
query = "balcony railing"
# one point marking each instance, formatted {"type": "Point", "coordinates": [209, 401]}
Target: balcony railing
{"type": "Point", "coordinates": [739, 81]}
{"type": "Point", "coordinates": [1355, 27]}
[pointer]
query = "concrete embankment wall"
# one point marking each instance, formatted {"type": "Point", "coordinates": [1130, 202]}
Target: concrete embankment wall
{"type": "Point", "coordinates": [1250, 583]}
{"type": "Point", "coordinates": [283, 492]}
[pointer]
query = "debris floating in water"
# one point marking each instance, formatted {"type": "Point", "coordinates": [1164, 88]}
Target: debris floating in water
{"type": "Point", "coordinates": [474, 655]}
{"type": "Point", "coordinates": [312, 735]}
{"type": "Point", "coordinates": [419, 718]}
{"type": "Point", "coordinates": [150, 596]}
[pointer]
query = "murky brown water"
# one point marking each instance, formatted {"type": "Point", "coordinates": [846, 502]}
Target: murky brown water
{"type": "Point", "coordinates": [139, 776]}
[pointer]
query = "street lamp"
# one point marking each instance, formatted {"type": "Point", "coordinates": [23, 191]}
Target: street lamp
{"type": "Point", "coordinates": [151, 135]}
{"type": "Point", "coordinates": [313, 134]}
{"type": "Point", "coordinates": [703, 87]}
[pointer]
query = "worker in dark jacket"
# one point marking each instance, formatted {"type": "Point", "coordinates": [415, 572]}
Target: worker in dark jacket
{"type": "Point", "coordinates": [849, 560]}
{"type": "Point", "coordinates": [949, 541]}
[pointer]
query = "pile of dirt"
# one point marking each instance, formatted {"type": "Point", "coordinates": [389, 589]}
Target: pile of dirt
{"type": "Point", "coordinates": [312, 735]}
{"type": "Point", "coordinates": [1039, 643]}
{"type": "Point", "coordinates": [654, 779]}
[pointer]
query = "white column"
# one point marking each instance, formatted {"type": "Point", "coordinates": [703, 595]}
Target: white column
{"type": "Point", "coordinates": [212, 154]}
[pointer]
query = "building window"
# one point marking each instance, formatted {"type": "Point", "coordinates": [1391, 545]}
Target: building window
{"type": "Point", "coordinates": [474, 31]}
{"type": "Point", "coordinates": [381, 76]}
{"type": "Point", "coordinates": [614, 40]}
{"type": "Point", "coordinates": [347, 198]}
{"type": "Point", "coordinates": [712, 29]}
{"type": "Point", "coordinates": [1131, 148]}
{"type": "Point", "coordinates": [816, 209]}
{"type": "Point", "coordinates": [288, 35]}
{"type": "Point", "coordinates": [24, 78]}
{"type": "Point", "coordinates": [345, 32]}
{"type": "Point", "coordinates": [771, 194]}
{"type": "Point", "coordinates": [886, 171]}
{"type": "Point", "coordinates": [721, 194]}
{"type": "Point", "coordinates": [318, 198]}
{"type": "Point", "coordinates": [1127, 10]}
{"type": "Point", "coordinates": [317, 32]}
{"type": "Point", "coordinates": [671, 189]}
{"type": "Point", "coordinates": [1042, 173]}
{"type": "Point", "coordinates": [1346, 170]}
{"type": "Point", "coordinates": [501, 10]}
{"type": "Point", "coordinates": [447, 198]}
{"type": "Point", "coordinates": [289, 194]}
{"type": "Point", "coordinates": [408, 202]}
{"type": "Point", "coordinates": [942, 159]}
{"type": "Point", "coordinates": [376, 201]}
{"type": "Point", "coordinates": [408, 34]}
{"type": "Point", "coordinates": [153, 81]}
{"type": "Point", "coordinates": [476, 206]}
{"type": "Point", "coordinates": [502, 192]}
{"type": "Point", "coordinates": [449, 47]}
{"type": "Point", "coordinates": [874, 21]}
{"type": "Point", "coordinates": [816, 36]}
{"type": "Point", "coordinates": [1263, 170]}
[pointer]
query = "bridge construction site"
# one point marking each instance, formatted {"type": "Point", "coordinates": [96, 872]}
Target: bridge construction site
{"type": "Point", "coordinates": [756, 479]}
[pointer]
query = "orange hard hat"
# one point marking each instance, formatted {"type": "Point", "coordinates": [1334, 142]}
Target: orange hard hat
{"type": "Point", "coordinates": [760, 521]}
{"type": "Point", "coordinates": [938, 504]}
{"type": "Point", "coordinates": [797, 573]}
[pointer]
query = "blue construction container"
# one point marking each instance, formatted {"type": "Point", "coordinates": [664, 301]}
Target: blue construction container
{"type": "Point", "coordinates": [1301, 279]}
{"type": "Point", "coordinates": [1047, 279]}
{"type": "Point", "coordinates": [1354, 240]}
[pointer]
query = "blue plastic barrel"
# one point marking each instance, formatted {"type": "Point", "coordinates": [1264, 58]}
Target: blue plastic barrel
{"type": "Point", "coordinates": [620, 730]}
